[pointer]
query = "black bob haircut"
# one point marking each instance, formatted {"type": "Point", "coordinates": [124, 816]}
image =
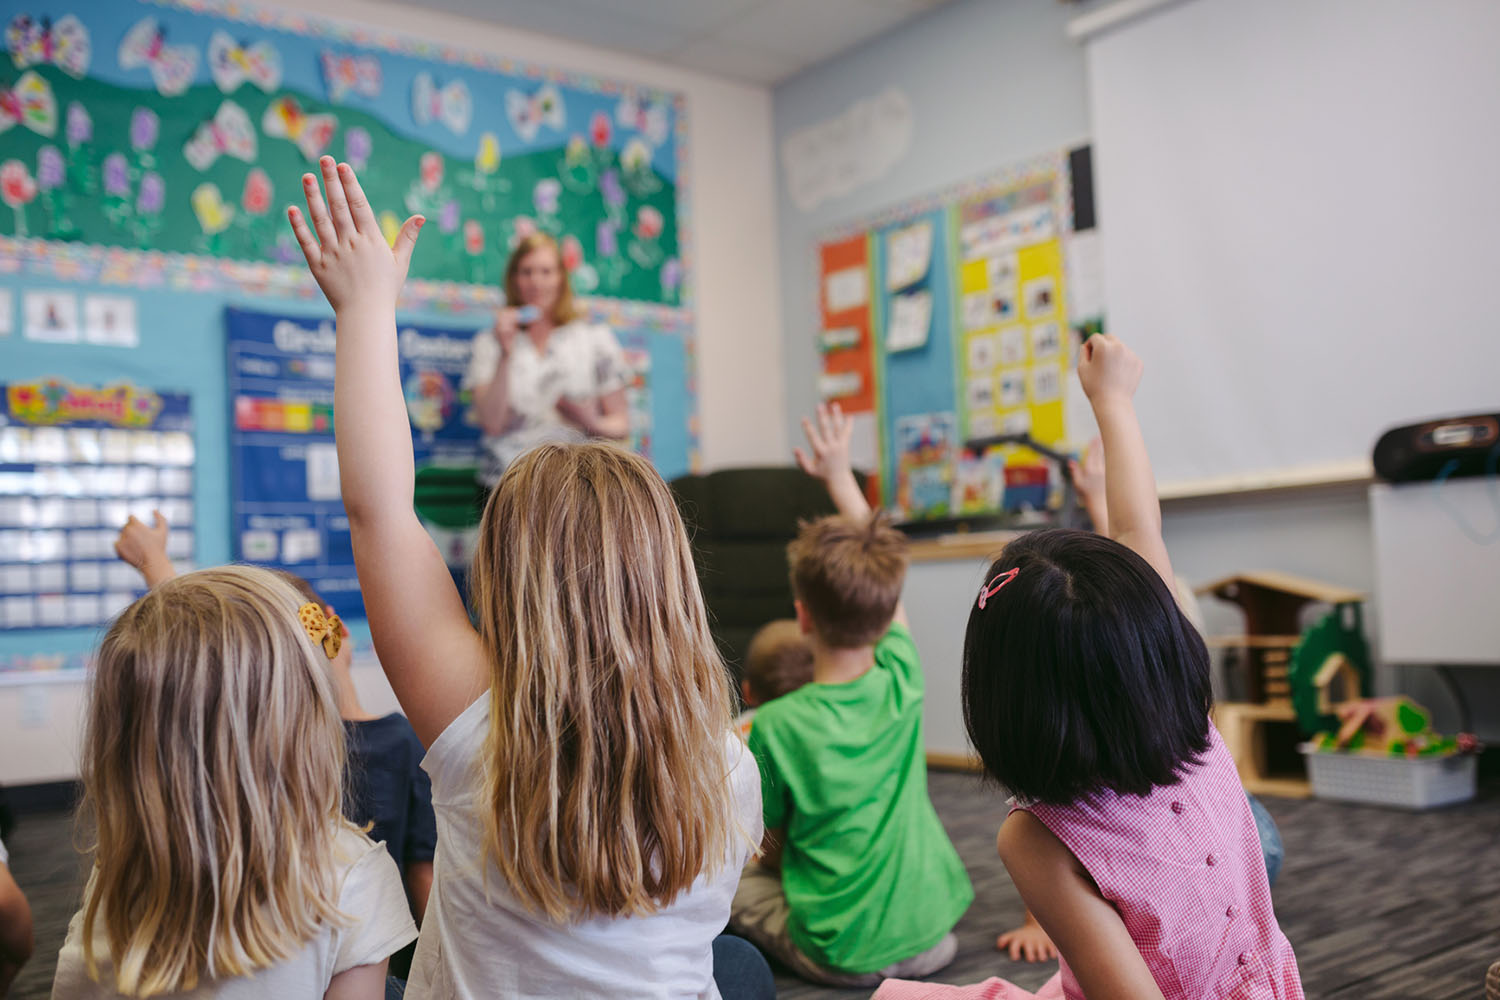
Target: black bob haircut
{"type": "Point", "coordinates": [1081, 673]}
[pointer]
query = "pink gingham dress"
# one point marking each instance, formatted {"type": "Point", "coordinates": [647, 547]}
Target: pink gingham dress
{"type": "Point", "coordinates": [1183, 865]}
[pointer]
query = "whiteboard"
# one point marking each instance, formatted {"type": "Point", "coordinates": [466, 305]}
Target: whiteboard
{"type": "Point", "coordinates": [1300, 212]}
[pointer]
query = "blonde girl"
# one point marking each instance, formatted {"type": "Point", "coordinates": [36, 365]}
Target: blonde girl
{"type": "Point", "coordinates": [213, 773]}
{"type": "Point", "coordinates": [593, 806]}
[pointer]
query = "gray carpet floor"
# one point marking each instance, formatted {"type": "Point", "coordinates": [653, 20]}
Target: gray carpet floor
{"type": "Point", "coordinates": [1377, 903]}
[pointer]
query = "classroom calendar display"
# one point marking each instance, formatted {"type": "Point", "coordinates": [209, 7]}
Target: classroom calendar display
{"type": "Point", "coordinates": [951, 320]}
{"type": "Point", "coordinates": [75, 463]}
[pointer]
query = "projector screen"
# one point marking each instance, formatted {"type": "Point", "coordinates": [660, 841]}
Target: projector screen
{"type": "Point", "coordinates": [1299, 202]}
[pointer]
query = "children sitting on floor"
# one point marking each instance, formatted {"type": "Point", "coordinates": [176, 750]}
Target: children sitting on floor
{"type": "Point", "coordinates": [387, 787]}
{"type": "Point", "coordinates": [779, 661]}
{"type": "Point", "coordinates": [594, 806]}
{"type": "Point", "coordinates": [859, 880]}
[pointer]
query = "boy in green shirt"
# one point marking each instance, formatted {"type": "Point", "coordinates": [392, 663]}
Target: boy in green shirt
{"type": "Point", "coordinates": [858, 880]}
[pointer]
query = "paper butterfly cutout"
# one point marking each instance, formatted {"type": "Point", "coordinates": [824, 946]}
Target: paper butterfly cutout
{"type": "Point", "coordinates": [529, 112]}
{"type": "Point", "coordinates": [29, 103]}
{"type": "Point", "coordinates": [232, 63]}
{"type": "Point", "coordinates": [230, 133]}
{"type": "Point", "coordinates": [342, 74]}
{"type": "Point", "coordinates": [651, 120]}
{"type": "Point", "coordinates": [172, 66]}
{"type": "Point", "coordinates": [285, 119]}
{"type": "Point", "coordinates": [450, 105]}
{"type": "Point", "coordinates": [34, 42]}
{"type": "Point", "coordinates": [213, 214]}
{"type": "Point", "coordinates": [327, 631]}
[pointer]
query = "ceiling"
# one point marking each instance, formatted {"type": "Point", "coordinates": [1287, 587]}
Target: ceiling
{"type": "Point", "coordinates": [758, 41]}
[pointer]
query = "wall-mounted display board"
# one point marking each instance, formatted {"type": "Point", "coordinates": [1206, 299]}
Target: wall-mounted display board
{"type": "Point", "coordinates": [158, 142]}
{"type": "Point", "coordinates": [956, 317]}
{"type": "Point", "coordinates": [76, 462]}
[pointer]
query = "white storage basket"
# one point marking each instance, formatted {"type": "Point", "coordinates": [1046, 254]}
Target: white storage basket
{"type": "Point", "coordinates": [1404, 782]}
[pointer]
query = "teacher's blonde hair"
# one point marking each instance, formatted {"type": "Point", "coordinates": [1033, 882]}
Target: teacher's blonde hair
{"type": "Point", "coordinates": [213, 770]}
{"type": "Point", "coordinates": [606, 764]}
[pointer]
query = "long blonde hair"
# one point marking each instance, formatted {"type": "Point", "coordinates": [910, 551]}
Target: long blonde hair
{"type": "Point", "coordinates": [213, 768]}
{"type": "Point", "coordinates": [606, 763]}
{"type": "Point", "coordinates": [565, 310]}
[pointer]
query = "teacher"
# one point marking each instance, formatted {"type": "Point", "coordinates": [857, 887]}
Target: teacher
{"type": "Point", "coordinates": [541, 373]}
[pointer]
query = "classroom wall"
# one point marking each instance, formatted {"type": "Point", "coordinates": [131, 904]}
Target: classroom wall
{"type": "Point", "coordinates": [990, 83]}
{"type": "Point", "coordinates": [731, 224]}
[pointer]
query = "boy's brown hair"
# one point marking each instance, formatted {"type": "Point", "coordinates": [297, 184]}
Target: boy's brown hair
{"type": "Point", "coordinates": [848, 576]}
{"type": "Point", "coordinates": [779, 660]}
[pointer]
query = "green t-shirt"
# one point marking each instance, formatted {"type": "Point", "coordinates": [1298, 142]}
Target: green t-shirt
{"type": "Point", "coordinates": [869, 872]}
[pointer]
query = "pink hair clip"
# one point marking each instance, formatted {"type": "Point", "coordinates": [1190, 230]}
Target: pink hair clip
{"type": "Point", "coordinates": [993, 587]}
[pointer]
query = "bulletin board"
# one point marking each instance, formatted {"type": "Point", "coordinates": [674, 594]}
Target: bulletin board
{"type": "Point", "coordinates": [180, 128]}
{"type": "Point", "coordinates": [135, 216]}
{"type": "Point", "coordinates": [955, 317]}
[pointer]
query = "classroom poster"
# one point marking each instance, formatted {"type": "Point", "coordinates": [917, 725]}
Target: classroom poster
{"type": "Point", "coordinates": [76, 462]}
{"type": "Point", "coordinates": [286, 507]}
{"type": "Point", "coordinates": [847, 374]}
{"type": "Point", "coordinates": [158, 141]}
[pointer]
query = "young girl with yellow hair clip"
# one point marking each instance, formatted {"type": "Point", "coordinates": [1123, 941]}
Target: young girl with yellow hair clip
{"type": "Point", "coordinates": [213, 771]}
{"type": "Point", "coordinates": [594, 808]}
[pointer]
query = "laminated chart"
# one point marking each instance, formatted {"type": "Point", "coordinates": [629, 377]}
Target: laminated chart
{"type": "Point", "coordinates": [76, 462]}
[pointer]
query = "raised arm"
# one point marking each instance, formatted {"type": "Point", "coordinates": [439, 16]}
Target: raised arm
{"type": "Point", "coordinates": [828, 443]}
{"type": "Point", "coordinates": [430, 652]}
{"type": "Point", "coordinates": [1110, 372]}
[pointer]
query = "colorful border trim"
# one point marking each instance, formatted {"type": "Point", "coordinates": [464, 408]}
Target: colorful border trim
{"type": "Point", "coordinates": [153, 269]}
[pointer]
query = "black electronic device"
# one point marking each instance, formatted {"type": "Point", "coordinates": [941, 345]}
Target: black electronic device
{"type": "Point", "coordinates": [1439, 449]}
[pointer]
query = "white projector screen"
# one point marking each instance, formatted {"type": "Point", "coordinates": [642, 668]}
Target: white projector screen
{"type": "Point", "coordinates": [1299, 202]}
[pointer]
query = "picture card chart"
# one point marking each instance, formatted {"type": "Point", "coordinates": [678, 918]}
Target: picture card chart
{"type": "Point", "coordinates": [76, 462]}
{"type": "Point", "coordinates": [285, 504]}
{"type": "Point", "coordinates": [1015, 359]}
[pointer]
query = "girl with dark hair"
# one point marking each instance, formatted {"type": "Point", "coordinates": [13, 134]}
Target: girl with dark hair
{"type": "Point", "coordinates": [1086, 693]}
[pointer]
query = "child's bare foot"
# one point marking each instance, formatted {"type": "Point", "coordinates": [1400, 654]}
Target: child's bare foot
{"type": "Point", "coordinates": [1027, 943]}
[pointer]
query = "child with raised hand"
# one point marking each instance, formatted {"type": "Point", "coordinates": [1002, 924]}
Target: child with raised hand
{"type": "Point", "coordinates": [386, 791]}
{"type": "Point", "coordinates": [213, 770]}
{"type": "Point", "coordinates": [594, 807]}
{"type": "Point", "coordinates": [1086, 693]}
{"type": "Point", "coordinates": [859, 881]}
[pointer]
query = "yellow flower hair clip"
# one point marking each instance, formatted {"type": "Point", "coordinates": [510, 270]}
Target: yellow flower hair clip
{"type": "Point", "coordinates": [327, 630]}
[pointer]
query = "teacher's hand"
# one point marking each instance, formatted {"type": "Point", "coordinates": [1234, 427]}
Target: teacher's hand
{"type": "Point", "coordinates": [507, 326]}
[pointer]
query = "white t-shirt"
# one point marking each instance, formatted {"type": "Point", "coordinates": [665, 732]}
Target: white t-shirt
{"type": "Point", "coordinates": [580, 360]}
{"type": "Point", "coordinates": [479, 942]}
{"type": "Point", "coordinates": [371, 894]}
{"type": "Point", "coordinates": [4, 854]}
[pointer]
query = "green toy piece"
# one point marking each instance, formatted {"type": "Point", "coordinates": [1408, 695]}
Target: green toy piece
{"type": "Point", "coordinates": [1340, 633]}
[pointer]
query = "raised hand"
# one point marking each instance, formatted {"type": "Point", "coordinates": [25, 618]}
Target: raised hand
{"type": "Point", "coordinates": [146, 548]}
{"type": "Point", "coordinates": [1108, 369]}
{"type": "Point", "coordinates": [345, 250]}
{"type": "Point", "coordinates": [828, 441]}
